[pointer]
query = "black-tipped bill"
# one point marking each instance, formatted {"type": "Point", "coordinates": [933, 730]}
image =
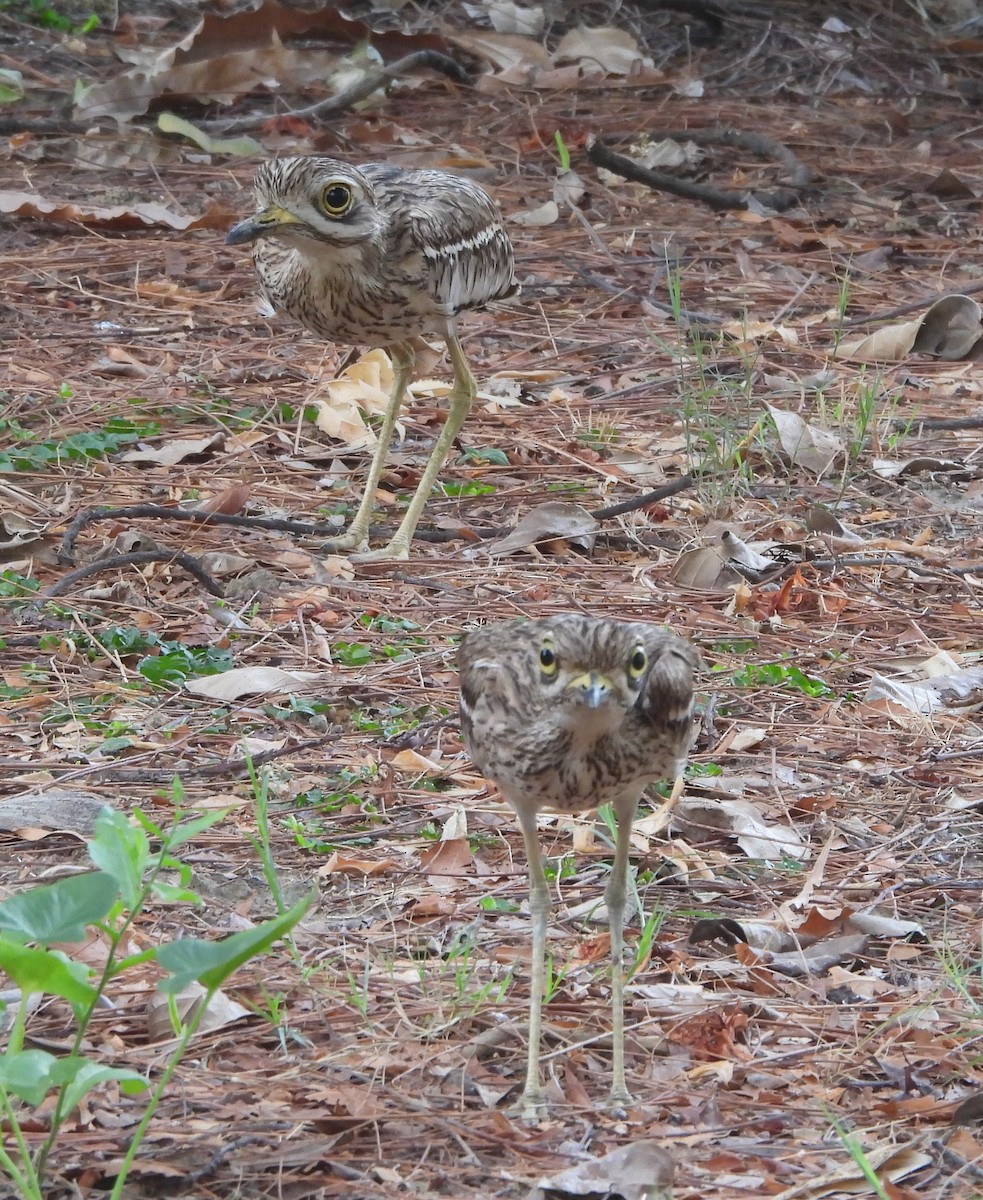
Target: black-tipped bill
{"type": "Point", "coordinates": [268, 221]}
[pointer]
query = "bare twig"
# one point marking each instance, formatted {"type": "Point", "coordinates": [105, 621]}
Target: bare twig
{"type": "Point", "coordinates": [721, 201]}
{"type": "Point", "coordinates": [137, 559]}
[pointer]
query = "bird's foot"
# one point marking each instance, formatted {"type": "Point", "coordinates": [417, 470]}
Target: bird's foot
{"type": "Point", "coordinates": [531, 1107]}
{"type": "Point", "coordinates": [618, 1102]}
{"type": "Point", "coordinates": [351, 540]}
{"type": "Point", "coordinates": [391, 552]}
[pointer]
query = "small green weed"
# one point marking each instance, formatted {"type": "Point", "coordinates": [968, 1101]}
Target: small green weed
{"type": "Point", "coordinates": [47, 16]}
{"type": "Point", "coordinates": [489, 456]}
{"type": "Point", "coordinates": [13, 584]}
{"type": "Point", "coordinates": [779, 674]}
{"type": "Point", "coordinates": [562, 151]}
{"type": "Point", "coordinates": [560, 868]}
{"type": "Point", "coordinates": [309, 829]}
{"type": "Point", "coordinates": [599, 438]}
{"type": "Point", "coordinates": [304, 707]}
{"type": "Point", "coordinates": [471, 488]}
{"type": "Point", "coordinates": [646, 940]}
{"type": "Point", "coordinates": [392, 720]}
{"type": "Point", "coordinates": [358, 654]}
{"type": "Point", "coordinates": [379, 623]}
{"type": "Point", "coordinates": [168, 662]}
{"type": "Point", "coordinates": [733, 646]}
{"type": "Point", "coordinates": [130, 861]}
{"type": "Point", "coordinates": [703, 770]}
{"type": "Point", "coordinates": [40, 455]}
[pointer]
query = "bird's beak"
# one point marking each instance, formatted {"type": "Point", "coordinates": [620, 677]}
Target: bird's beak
{"type": "Point", "coordinates": [267, 221]}
{"type": "Point", "coordinates": [594, 686]}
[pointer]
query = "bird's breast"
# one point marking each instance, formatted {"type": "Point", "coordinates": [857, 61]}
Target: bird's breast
{"type": "Point", "coordinates": [344, 296]}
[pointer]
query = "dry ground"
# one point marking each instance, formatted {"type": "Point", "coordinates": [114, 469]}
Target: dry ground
{"type": "Point", "coordinates": [381, 1056]}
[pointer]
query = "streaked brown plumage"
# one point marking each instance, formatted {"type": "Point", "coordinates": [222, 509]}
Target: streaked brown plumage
{"type": "Point", "coordinates": [568, 713]}
{"type": "Point", "coordinates": [379, 255]}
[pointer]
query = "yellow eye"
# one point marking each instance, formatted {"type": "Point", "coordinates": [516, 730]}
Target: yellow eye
{"type": "Point", "coordinates": [637, 663]}
{"type": "Point", "coordinates": [547, 659]}
{"type": "Point", "coordinates": [336, 199]}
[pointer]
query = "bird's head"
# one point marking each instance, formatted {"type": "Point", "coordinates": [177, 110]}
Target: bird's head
{"type": "Point", "coordinates": [302, 201]}
{"type": "Point", "coordinates": [590, 675]}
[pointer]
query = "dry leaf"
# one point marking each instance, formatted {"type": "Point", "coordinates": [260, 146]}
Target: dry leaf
{"type": "Point", "coordinates": [364, 387]}
{"type": "Point", "coordinates": [949, 330]}
{"type": "Point", "coordinates": [556, 520]}
{"type": "Point", "coordinates": [603, 50]}
{"type": "Point", "coordinates": [806, 445]}
{"type": "Point", "coordinates": [641, 1170]}
{"type": "Point", "coordinates": [342, 864]}
{"type": "Point", "coordinates": [546, 214]}
{"type": "Point", "coordinates": [250, 681]}
{"type": "Point", "coordinates": [177, 451]}
{"type": "Point", "coordinates": [118, 217]}
{"type": "Point", "coordinates": [758, 838]}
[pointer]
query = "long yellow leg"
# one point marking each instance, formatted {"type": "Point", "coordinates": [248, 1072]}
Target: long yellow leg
{"type": "Point", "coordinates": [616, 896]}
{"type": "Point", "coordinates": [531, 1105]}
{"type": "Point", "coordinates": [459, 403]}
{"type": "Point", "coordinates": [356, 536]}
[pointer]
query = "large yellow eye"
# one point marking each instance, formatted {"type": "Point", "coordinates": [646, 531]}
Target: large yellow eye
{"type": "Point", "coordinates": [336, 199]}
{"type": "Point", "coordinates": [547, 658]}
{"type": "Point", "coordinates": [637, 663]}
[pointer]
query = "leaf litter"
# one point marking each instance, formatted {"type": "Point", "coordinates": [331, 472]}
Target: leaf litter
{"type": "Point", "coordinates": [830, 828]}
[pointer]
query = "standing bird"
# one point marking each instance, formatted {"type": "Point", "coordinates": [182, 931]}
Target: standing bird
{"type": "Point", "coordinates": [379, 256]}
{"type": "Point", "coordinates": [569, 713]}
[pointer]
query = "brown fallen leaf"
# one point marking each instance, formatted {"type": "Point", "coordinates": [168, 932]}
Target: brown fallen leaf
{"type": "Point", "coordinates": [116, 217]}
{"type": "Point", "coordinates": [340, 864]}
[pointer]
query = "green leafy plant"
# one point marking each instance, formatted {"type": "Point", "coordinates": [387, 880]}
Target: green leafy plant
{"type": "Point", "coordinates": [164, 661]}
{"type": "Point", "coordinates": [498, 904]}
{"type": "Point", "coordinates": [562, 151]}
{"type": "Point", "coordinates": [471, 488]}
{"type": "Point", "coordinates": [488, 455]}
{"type": "Point", "coordinates": [36, 455]}
{"type": "Point", "coordinates": [130, 860]}
{"type": "Point", "coordinates": [13, 584]}
{"type": "Point", "coordinates": [49, 16]}
{"type": "Point", "coordinates": [779, 674]}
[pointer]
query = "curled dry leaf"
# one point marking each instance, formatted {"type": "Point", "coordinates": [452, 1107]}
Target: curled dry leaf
{"type": "Point", "coordinates": [961, 691]}
{"type": "Point", "coordinates": [758, 838]}
{"type": "Point", "coordinates": [951, 329]}
{"type": "Point", "coordinates": [568, 188]}
{"type": "Point", "coordinates": [222, 1010]}
{"type": "Point", "coordinates": [603, 50]}
{"type": "Point", "coordinates": [506, 17]}
{"type": "Point", "coordinates": [228, 55]}
{"type": "Point", "coordinates": [177, 451]}
{"type": "Point", "coordinates": [807, 446]}
{"type": "Point", "coordinates": [891, 1162]}
{"type": "Point", "coordinates": [547, 213]}
{"type": "Point", "coordinates": [115, 217]}
{"type": "Point", "coordinates": [555, 521]}
{"type": "Point", "coordinates": [743, 557]}
{"type": "Point", "coordinates": [341, 864]}
{"type": "Point", "coordinates": [250, 681]}
{"type": "Point", "coordinates": [17, 531]}
{"type": "Point", "coordinates": [704, 569]}
{"type": "Point", "coordinates": [641, 1170]}
{"type": "Point", "coordinates": [888, 468]}
{"type": "Point", "coordinates": [817, 958]}
{"type": "Point", "coordinates": [239, 147]}
{"type": "Point", "coordinates": [364, 387]}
